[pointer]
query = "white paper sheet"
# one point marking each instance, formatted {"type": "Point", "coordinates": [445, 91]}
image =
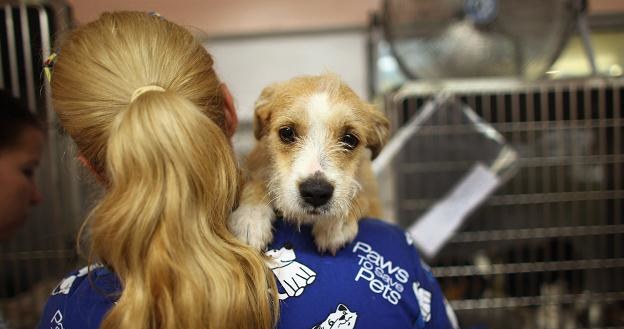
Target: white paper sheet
{"type": "Point", "coordinates": [432, 230]}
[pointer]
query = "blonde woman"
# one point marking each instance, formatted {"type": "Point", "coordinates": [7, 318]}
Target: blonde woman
{"type": "Point", "coordinates": [150, 118]}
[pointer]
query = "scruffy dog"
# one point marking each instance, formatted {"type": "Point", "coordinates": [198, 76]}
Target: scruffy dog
{"type": "Point", "coordinates": [311, 165]}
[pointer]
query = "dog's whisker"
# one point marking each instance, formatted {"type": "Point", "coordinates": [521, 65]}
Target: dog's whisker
{"type": "Point", "coordinates": [271, 201]}
{"type": "Point", "coordinates": [266, 196]}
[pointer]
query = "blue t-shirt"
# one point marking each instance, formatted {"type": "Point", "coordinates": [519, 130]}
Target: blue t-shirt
{"type": "Point", "coordinates": [376, 281]}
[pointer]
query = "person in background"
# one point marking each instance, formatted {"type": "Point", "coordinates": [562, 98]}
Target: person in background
{"type": "Point", "coordinates": [21, 146]}
{"type": "Point", "coordinates": [139, 96]}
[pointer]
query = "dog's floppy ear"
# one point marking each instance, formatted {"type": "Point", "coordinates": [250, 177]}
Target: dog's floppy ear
{"type": "Point", "coordinates": [262, 112]}
{"type": "Point", "coordinates": [378, 129]}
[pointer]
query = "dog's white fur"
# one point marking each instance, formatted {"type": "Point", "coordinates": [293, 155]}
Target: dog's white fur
{"type": "Point", "coordinates": [321, 110]}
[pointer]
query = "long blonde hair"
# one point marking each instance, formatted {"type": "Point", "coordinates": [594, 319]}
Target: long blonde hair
{"type": "Point", "coordinates": [170, 175]}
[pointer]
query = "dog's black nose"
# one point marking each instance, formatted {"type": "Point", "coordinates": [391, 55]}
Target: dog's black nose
{"type": "Point", "coordinates": [316, 191]}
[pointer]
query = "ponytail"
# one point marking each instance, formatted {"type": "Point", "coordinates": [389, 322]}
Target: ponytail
{"type": "Point", "coordinates": [163, 152]}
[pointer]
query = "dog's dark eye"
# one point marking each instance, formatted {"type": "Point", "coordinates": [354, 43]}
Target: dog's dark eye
{"type": "Point", "coordinates": [349, 141]}
{"type": "Point", "coordinates": [287, 134]}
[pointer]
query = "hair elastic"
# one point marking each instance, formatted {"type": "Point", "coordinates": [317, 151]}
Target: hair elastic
{"type": "Point", "coordinates": [48, 65]}
{"type": "Point", "coordinates": [137, 92]}
{"type": "Point", "coordinates": [155, 14]}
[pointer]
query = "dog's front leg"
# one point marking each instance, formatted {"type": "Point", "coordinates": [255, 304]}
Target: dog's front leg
{"type": "Point", "coordinates": [252, 221]}
{"type": "Point", "coordinates": [331, 234]}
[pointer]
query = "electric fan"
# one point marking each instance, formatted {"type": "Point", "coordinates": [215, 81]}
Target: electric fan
{"type": "Point", "coordinates": [477, 38]}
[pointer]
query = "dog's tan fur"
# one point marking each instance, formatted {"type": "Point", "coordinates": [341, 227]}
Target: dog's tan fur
{"type": "Point", "coordinates": [321, 110]}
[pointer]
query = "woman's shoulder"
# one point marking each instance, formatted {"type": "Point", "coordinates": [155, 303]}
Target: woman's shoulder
{"type": "Point", "coordinates": [81, 299]}
{"type": "Point", "coordinates": [377, 280]}
{"type": "Point", "coordinates": [372, 233]}
{"type": "Point", "coordinates": [383, 231]}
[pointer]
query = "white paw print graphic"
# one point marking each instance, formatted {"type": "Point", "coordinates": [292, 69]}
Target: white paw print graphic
{"type": "Point", "coordinates": [424, 300]}
{"type": "Point", "coordinates": [409, 239]}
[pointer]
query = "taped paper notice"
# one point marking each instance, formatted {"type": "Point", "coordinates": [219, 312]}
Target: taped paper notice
{"type": "Point", "coordinates": [436, 226]}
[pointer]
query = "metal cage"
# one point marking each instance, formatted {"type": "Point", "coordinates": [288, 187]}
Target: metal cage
{"type": "Point", "coordinates": [546, 250]}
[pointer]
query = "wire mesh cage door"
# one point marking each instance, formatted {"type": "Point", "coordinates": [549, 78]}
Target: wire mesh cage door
{"type": "Point", "coordinates": [546, 250]}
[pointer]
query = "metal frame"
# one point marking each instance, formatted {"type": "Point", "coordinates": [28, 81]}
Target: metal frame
{"type": "Point", "coordinates": [547, 249]}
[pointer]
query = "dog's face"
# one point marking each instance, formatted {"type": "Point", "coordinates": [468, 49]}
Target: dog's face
{"type": "Point", "coordinates": [318, 132]}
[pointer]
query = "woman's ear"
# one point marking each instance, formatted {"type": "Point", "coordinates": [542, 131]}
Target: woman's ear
{"type": "Point", "coordinates": [87, 164]}
{"type": "Point", "coordinates": [231, 118]}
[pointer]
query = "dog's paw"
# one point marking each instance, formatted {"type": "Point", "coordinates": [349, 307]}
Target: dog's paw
{"type": "Point", "coordinates": [252, 225]}
{"type": "Point", "coordinates": [331, 235]}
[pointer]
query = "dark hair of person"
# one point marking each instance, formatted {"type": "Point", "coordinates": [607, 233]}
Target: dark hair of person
{"type": "Point", "coordinates": [14, 118]}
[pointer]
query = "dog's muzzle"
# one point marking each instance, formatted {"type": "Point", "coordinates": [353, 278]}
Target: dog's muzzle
{"type": "Point", "coordinates": [316, 190]}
